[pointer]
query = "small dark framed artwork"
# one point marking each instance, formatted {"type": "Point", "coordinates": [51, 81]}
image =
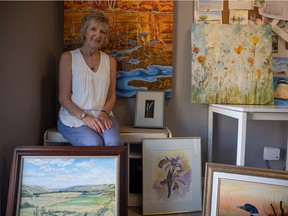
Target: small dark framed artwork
{"type": "Point", "coordinates": [68, 180]}
{"type": "Point", "coordinates": [149, 109]}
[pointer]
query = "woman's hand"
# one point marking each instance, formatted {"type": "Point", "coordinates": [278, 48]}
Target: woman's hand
{"type": "Point", "coordinates": [94, 123]}
{"type": "Point", "coordinates": [104, 118]}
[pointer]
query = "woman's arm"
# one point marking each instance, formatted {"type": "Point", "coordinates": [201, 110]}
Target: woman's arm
{"type": "Point", "coordinates": [65, 85]}
{"type": "Point", "coordinates": [111, 96]}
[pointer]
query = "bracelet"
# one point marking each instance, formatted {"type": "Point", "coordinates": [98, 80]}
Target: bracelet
{"type": "Point", "coordinates": [83, 115]}
{"type": "Point", "coordinates": [105, 112]}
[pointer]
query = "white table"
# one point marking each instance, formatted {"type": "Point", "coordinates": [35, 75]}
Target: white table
{"type": "Point", "coordinates": [243, 113]}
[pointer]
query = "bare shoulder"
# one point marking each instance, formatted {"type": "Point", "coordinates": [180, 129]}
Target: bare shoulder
{"type": "Point", "coordinates": [112, 60]}
{"type": "Point", "coordinates": [66, 56]}
{"type": "Point", "coordinates": [65, 64]}
{"type": "Point", "coordinates": [113, 64]}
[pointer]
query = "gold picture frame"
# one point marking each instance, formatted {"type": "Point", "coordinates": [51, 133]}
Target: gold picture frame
{"type": "Point", "coordinates": [235, 189]}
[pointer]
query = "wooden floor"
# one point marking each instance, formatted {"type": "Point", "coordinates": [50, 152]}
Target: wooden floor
{"type": "Point", "coordinates": [136, 211]}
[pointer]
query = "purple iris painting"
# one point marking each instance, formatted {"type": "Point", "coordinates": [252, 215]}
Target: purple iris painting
{"type": "Point", "coordinates": [172, 176]}
{"type": "Point", "coordinates": [174, 170]}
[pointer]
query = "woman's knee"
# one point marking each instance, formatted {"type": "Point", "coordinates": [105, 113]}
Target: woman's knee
{"type": "Point", "coordinates": [113, 141]}
{"type": "Point", "coordinates": [112, 136]}
{"type": "Point", "coordinates": [90, 140]}
{"type": "Point", "coordinates": [81, 136]}
{"type": "Point", "coordinates": [85, 140]}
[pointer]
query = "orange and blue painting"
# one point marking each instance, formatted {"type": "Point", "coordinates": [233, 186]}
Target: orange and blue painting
{"type": "Point", "coordinates": [251, 198]}
{"type": "Point", "coordinates": [231, 64]}
{"type": "Point", "coordinates": [140, 39]}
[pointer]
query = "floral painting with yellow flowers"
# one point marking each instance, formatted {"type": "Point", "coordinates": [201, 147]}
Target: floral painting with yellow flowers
{"type": "Point", "coordinates": [231, 64]}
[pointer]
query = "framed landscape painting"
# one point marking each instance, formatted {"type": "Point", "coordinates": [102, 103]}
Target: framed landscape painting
{"type": "Point", "coordinates": [239, 190]}
{"type": "Point", "coordinates": [208, 17]}
{"type": "Point", "coordinates": [68, 180]}
{"type": "Point", "coordinates": [172, 175]}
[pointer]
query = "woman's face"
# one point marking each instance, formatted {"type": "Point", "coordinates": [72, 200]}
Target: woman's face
{"type": "Point", "coordinates": [95, 34]}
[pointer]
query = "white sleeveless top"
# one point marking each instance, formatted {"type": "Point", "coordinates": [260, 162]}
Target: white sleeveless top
{"type": "Point", "coordinates": [89, 89]}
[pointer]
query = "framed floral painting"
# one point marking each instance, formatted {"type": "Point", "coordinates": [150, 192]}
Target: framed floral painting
{"type": "Point", "coordinates": [171, 175]}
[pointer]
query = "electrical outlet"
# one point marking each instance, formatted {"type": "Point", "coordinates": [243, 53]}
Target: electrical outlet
{"type": "Point", "coordinates": [271, 153]}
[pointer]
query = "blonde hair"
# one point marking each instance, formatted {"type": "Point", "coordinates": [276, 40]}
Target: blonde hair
{"type": "Point", "coordinates": [95, 17]}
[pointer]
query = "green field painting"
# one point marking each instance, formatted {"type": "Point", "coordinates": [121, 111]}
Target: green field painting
{"type": "Point", "coordinates": [71, 186]}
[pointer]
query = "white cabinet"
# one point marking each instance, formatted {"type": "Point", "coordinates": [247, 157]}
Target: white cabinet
{"type": "Point", "coordinates": [132, 137]}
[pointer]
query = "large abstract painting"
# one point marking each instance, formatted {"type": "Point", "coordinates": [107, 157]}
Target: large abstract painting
{"type": "Point", "coordinates": [140, 39]}
{"type": "Point", "coordinates": [231, 64]}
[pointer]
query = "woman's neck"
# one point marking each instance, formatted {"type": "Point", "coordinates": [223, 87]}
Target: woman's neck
{"type": "Point", "coordinates": [87, 51]}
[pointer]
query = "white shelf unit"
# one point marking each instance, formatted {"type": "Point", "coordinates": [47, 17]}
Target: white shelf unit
{"type": "Point", "coordinates": [132, 137]}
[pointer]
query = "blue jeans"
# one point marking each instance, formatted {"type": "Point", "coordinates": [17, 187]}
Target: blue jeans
{"type": "Point", "coordinates": [85, 136]}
